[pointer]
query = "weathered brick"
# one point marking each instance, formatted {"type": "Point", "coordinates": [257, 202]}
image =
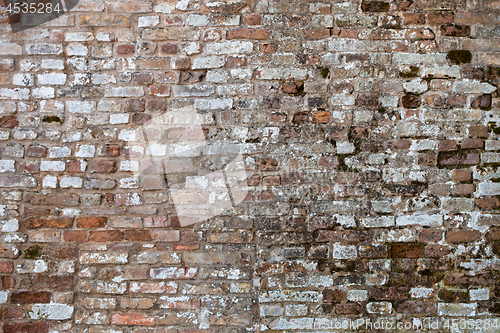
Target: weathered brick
{"type": "Point", "coordinates": [22, 297]}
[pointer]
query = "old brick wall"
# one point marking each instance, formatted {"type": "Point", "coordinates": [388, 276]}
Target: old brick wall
{"type": "Point", "coordinates": [368, 131]}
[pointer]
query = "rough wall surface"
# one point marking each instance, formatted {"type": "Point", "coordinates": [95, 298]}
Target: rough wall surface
{"type": "Point", "coordinates": [369, 132]}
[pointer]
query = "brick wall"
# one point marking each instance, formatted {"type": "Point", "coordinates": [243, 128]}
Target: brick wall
{"type": "Point", "coordinates": [249, 166]}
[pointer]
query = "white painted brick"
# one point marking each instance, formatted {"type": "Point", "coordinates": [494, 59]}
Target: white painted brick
{"type": "Point", "coordinates": [10, 48]}
{"type": "Point", "coordinates": [32, 266]}
{"type": "Point", "coordinates": [344, 251]}
{"type": "Point", "coordinates": [197, 20]}
{"type": "Point", "coordinates": [25, 80]}
{"type": "Point", "coordinates": [80, 106]}
{"type": "Point", "coordinates": [379, 307]}
{"type": "Point", "coordinates": [24, 134]}
{"type": "Point", "coordinates": [52, 311]}
{"type": "Point", "coordinates": [481, 294]}
{"type": "Point", "coordinates": [52, 64]}
{"type": "Point", "coordinates": [43, 49]}
{"type": "Point", "coordinates": [74, 182]}
{"type": "Point", "coordinates": [59, 152]}
{"type": "Point", "coordinates": [148, 21]}
{"type": "Point", "coordinates": [50, 182]}
{"type": "Point", "coordinates": [422, 220]}
{"type": "Point", "coordinates": [52, 79]}
{"type": "Point", "coordinates": [377, 222]}
{"type": "Point", "coordinates": [472, 87]}
{"type": "Point", "coordinates": [85, 151]}
{"type": "Point", "coordinates": [457, 309]}
{"type": "Point", "coordinates": [7, 166]}
{"type": "Point", "coordinates": [76, 49]}
{"type": "Point", "coordinates": [44, 93]}
{"type": "Point", "coordinates": [80, 36]}
{"type": "Point", "coordinates": [229, 47]}
{"type": "Point", "coordinates": [214, 104]}
{"type": "Point", "coordinates": [357, 295]}
{"type": "Point", "coordinates": [208, 62]}
{"type": "Point", "coordinates": [421, 292]}
{"type": "Point", "coordinates": [124, 92]}
{"type": "Point", "coordinates": [129, 166]}
{"type": "Point", "coordinates": [119, 118]}
{"type": "Point", "coordinates": [15, 94]}
{"type": "Point", "coordinates": [52, 166]}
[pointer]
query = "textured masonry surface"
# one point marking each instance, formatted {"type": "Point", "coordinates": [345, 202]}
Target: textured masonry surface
{"type": "Point", "coordinates": [369, 131]}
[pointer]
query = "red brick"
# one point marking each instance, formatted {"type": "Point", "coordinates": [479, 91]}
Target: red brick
{"type": "Point", "coordinates": [8, 122]}
{"type": "Point", "coordinates": [493, 234]}
{"type": "Point", "coordinates": [407, 250]}
{"type": "Point", "coordinates": [60, 282]}
{"type": "Point", "coordinates": [73, 166]}
{"type": "Point", "coordinates": [481, 102]}
{"type": "Point", "coordinates": [472, 143]}
{"type": "Point", "coordinates": [478, 132]}
{"type": "Point", "coordinates": [253, 19]}
{"type": "Point", "coordinates": [74, 236]}
{"type": "Point", "coordinates": [268, 48]}
{"type": "Point", "coordinates": [453, 30]}
{"type": "Point", "coordinates": [169, 48]}
{"type": "Point", "coordinates": [132, 319]}
{"type": "Point", "coordinates": [348, 308]}
{"type": "Point", "coordinates": [440, 17]}
{"type": "Point", "coordinates": [102, 166]}
{"type": "Point", "coordinates": [15, 312]}
{"type": "Point", "coordinates": [488, 203]}
{"type": "Point", "coordinates": [430, 235]}
{"type": "Point", "coordinates": [37, 327]}
{"type": "Point", "coordinates": [456, 101]}
{"type": "Point", "coordinates": [414, 18]}
{"type": "Point", "coordinates": [6, 282]}
{"type": "Point", "coordinates": [36, 151]}
{"type": "Point", "coordinates": [245, 33]}
{"type": "Point", "coordinates": [91, 221]}
{"type": "Point", "coordinates": [436, 251]}
{"type": "Point", "coordinates": [105, 236]}
{"type": "Point", "coordinates": [427, 159]}
{"type": "Point", "coordinates": [317, 33]}
{"type": "Point", "coordinates": [351, 236]}
{"type": "Point", "coordinates": [6, 267]}
{"type": "Point", "coordinates": [233, 62]}
{"type": "Point", "coordinates": [375, 6]}
{"type": "Point", "coordinates": [447, 145]}
{"type": "Point", "coordinates": [463, 189]}
{"type": "Point", "coordinates": [455, 279]}
{"type": "Point", "coordinates": [23, 297]}
{"type": "Point", "coordinates": [390, 293]}
{"type": "Point", "coordinates": [160, 90]}
{"type": "Point", "coordinates": [463, 236]}
{"type": "Point", "coordinates": [48, 222]}
{"type": "Point", "coordinates": [321, 117]}
{"type": "Point", "coordinates": [182, 63]}
{"type": "Point", "coordinates": [268, 164]}
{"type": "Point", "coordinates": [143, 78]}
{"type": "Point", "coordinates": [458, 159]}
{"type": "Point", "coordinates": [461, 175]}
{"type": "Point", "coordinates": [292, 87]}
{"type": "Point", "coordinates": [109, 150]}
{"type": "Point", "coordinates": [271, 180]}
{"type": "Point", "coordinates": [416, 307]}
{"type": "Point", "coordinates": [138, 235]}
{"type": "Point", "coordinates": [186, 247]}
{"type": "Point", "coordinates": [125, 49]}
